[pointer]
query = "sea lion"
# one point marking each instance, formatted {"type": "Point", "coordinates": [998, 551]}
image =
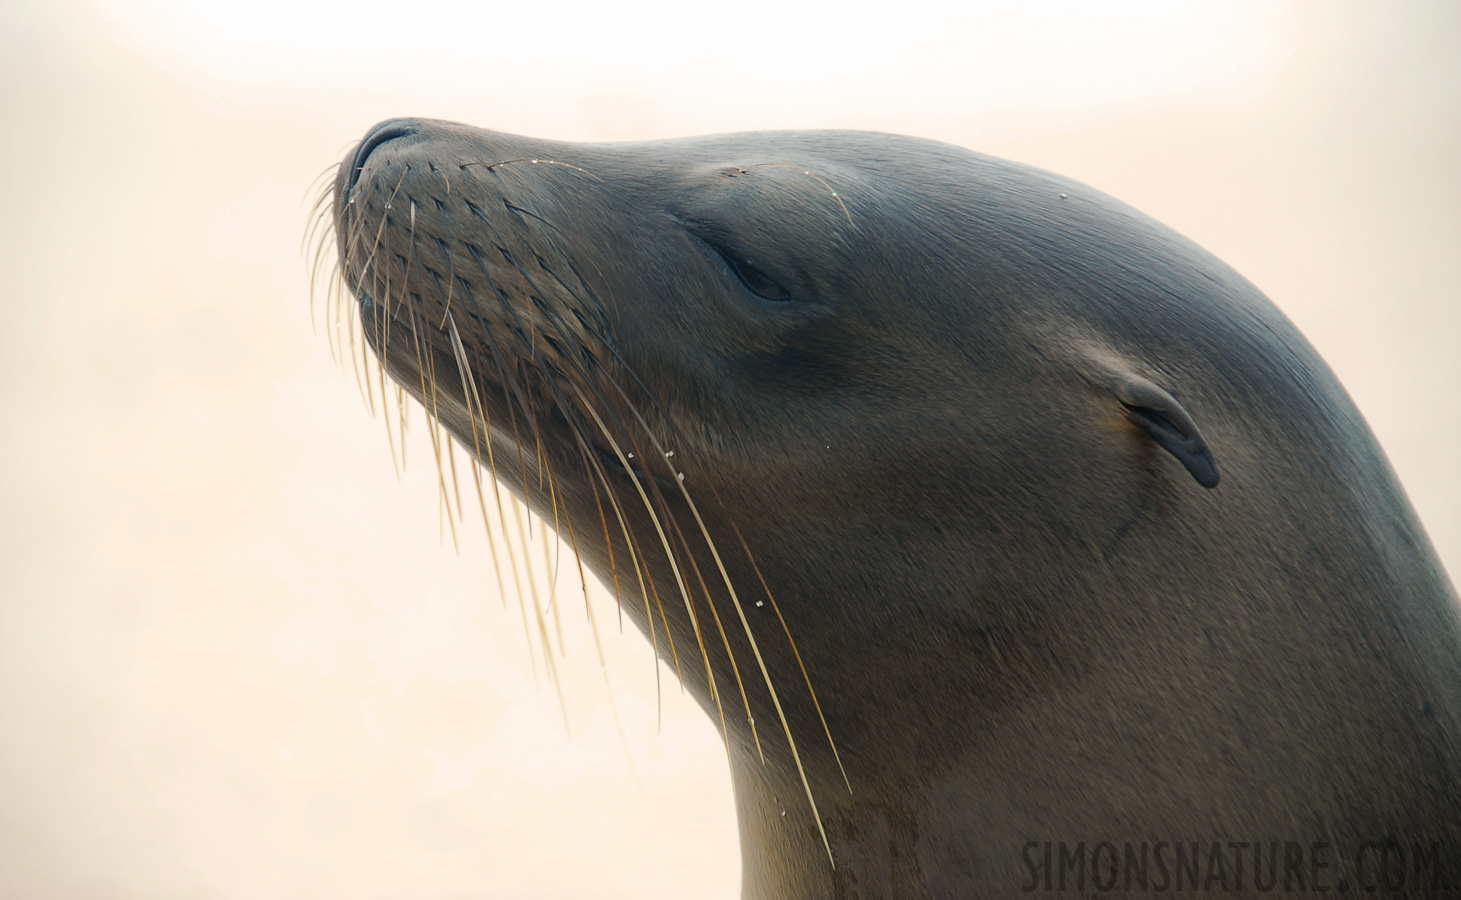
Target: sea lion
{"type": "Point", "coordinates": [988, 517]}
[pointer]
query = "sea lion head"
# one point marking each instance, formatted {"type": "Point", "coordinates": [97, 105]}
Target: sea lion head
{"type": "Point", "coordinates": [762, 297]}
{"type": "Point", "coordinates": [730, 359]}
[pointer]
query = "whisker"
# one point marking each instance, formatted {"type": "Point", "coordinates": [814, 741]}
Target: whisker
{"type": "Point", "coordinates": [724, 638]}
{"type": "Point", "coordinates": [745, 625]}
{"type": "Point", "coordinates": [807, 678]}
{"type": "Point", "coordinates": [332, 169]}
{"type": "Point", "coordinates": [641, 571]}
{"type": "Point", "coordinates": [357, 363]}
{"type": "Point", "coordinates": [532, 161]}
{"type": "Point", "coordinates": [669, 555]}
{"type": "Point", "coordinates": [598, 644]}
{"type": "Point", "coordinates": [538, 611]}
{"type": "Point", "coordinates": [831, 190]}
{"type": "Point", "coordinates": [474, 409]}
{"type": "Point", "coordinates": [426, 367]}
{"type": "Point", "coordinates": [321, 213]}
{"type": "Point", "coordinates": [551, 566]}
{"type": "Point", "coordinates": [403, 417]}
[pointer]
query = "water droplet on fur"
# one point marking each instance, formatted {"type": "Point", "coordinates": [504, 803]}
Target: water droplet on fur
{"type": "Point", "coordinates": [631, 456]}
{"type": "Point", "coordinates": [669, 453]}
{"type": "Point", "coordinates": [1062, 196]}
{"type": "Point", "coordinates": [760, 602]}
{"type": "Point", "coordinates": [680, 475]}
{"type": "Point", "coordinates": [535, 162]}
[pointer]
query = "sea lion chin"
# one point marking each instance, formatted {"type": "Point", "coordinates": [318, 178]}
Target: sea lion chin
{"type": "Point", "coordinates": [977, 507]}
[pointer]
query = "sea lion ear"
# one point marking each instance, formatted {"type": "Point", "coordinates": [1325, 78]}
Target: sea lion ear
{"type": "Point", "coordinates": [1160, 415]}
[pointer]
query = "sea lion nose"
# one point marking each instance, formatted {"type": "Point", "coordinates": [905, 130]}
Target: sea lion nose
{"type": "Point", "coordinates": [385, 131]}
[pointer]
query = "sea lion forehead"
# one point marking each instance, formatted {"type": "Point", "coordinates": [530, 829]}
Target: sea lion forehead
{"type": "Point", "coordinates": [849, 162]}
{"type": "Point", "coordinates": [849, 167]}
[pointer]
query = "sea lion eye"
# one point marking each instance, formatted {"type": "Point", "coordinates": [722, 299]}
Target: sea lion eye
{"type": "Point", "coordinates": [756, 281]}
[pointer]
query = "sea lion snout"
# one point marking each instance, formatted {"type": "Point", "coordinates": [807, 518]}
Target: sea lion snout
{"type": "Point", "coordinates": [382, 132]}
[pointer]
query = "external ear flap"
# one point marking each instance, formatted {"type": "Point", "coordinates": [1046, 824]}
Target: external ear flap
{"type": "Point", "coordinates": [1160, 415]}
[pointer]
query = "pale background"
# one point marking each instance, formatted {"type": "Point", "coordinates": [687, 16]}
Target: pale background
{"type": "Point", "coordinates": [239, 660]}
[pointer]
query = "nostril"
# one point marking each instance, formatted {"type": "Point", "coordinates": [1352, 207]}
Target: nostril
{"type": "Point", "coordinates": [385, 131]}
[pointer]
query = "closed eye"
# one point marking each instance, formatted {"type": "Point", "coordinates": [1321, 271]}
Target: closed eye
{"type": "Point", "coordinates": [756, 281]}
